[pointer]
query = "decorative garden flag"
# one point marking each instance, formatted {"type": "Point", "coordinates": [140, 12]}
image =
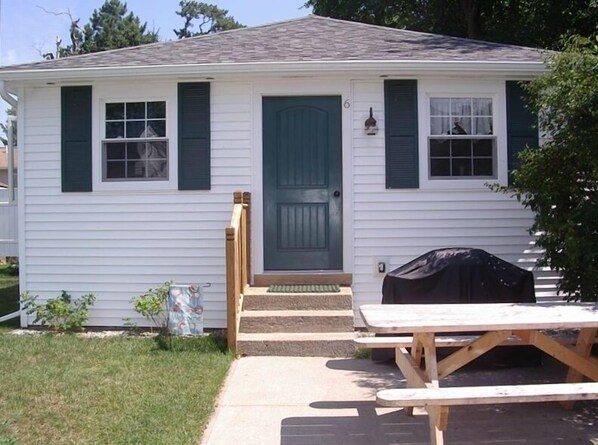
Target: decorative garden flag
{"type": "Point", "coordinates": [185, 310]}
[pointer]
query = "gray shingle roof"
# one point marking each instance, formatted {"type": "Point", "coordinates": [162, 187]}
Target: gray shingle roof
{"type": "Point", "coordinates": [307, 39]}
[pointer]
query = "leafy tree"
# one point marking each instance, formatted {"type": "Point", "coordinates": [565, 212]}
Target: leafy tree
{"type": "Point", "coordinates": [539, 23]}
{"type": "Point", "coordinates": [559, 181]}
{"type": "Point", "coordinates": [435, 16]}
{"type": "Point", "coordinates": [4, 127]}
{"type": "Point", "coordinates": [210, 19]}
{"type": "Point", "coordinates": [110, 27]}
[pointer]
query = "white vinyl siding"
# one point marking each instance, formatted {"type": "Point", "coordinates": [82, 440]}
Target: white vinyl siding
{"type": "Point", "coordinates": [119, 243]}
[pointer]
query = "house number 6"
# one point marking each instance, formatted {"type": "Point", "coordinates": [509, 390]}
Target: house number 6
{"type": "Point", "coordinates": [347, 104]}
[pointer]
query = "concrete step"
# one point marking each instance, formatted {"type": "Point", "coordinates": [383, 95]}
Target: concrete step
{"type": "Point", "coordinates": [296, 321]}
{"type": "Point", "coordinates": [326, 277]}
{"type": "Point", "coordinates": [321, 344]}
{"type": "Point", "coordinates": [259, 299]}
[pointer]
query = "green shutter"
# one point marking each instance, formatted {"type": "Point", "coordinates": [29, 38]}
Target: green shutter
{"type": "Point", "coordinates": [194, 136]}
{"type": "Point", "coordinates": [522, 124]}
{"type": "Point", "coordinates": [76, 139]}
{"type": "Point", "coordinates": [402, 153]}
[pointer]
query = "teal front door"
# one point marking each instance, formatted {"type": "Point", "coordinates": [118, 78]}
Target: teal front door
{"type": "Point", "coordinates": [302, 183]}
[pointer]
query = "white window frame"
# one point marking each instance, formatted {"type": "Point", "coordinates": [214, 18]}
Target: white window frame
{"type": "Point", "coordinates": [125, 91]}
{"type": "Point", "coordinates": [467, 87]}
{"type": "Point", "coordinates": [470, 137]}
{"type": "Point", "coordinates": [125, 140]}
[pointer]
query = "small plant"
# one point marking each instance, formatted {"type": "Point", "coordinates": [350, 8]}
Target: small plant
{"type": "Point", "coordinates": [362, 354]}
{"type": "Point", "coordinates": [131, 325]}
{"type": "Point", "coordinates": [152, 305]}
{"type": "Point", "coordinates": [12, 266]}
{"type": "Point", "coordinates": [61, 313]}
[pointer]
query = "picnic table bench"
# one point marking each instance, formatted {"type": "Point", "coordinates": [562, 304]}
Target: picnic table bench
{"type": "Point", "coordinates": [502, 324]}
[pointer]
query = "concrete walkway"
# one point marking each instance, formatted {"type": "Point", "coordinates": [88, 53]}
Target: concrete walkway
{"type": "Point", "coordinates": [326, 401]}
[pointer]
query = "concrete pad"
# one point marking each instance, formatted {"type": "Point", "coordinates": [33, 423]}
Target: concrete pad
{"type": "Point", "coordinates": [328, 401]}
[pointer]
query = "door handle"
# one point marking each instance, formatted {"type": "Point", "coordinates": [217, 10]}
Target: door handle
{"type": "Point", "coordinates": [336, 194]}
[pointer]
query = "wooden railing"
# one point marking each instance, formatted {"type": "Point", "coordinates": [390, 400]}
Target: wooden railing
{"type": "Point", "coordinates": [238, 263]}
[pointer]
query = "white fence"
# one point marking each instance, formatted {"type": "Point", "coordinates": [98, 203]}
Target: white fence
{"type": "Point", "coordinates": [8, 226]}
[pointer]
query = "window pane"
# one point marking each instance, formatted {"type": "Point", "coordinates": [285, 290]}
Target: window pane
{"type": "Point", "coordinates": [156, 110]}
{"type": "Point", "coordinates": [461, 106]}
{"type": "Point", "coordinates": [136, 169]}
{"type": "Point", "coordinates": [482, 147]}
{"type": "Point", "coordinates": [440, 106]}
{"type": "Point", "coordinates": [156, 129]}
{"type": "Point", "coordinates": [135, 150]}
{"type": "Point", "coordinates": [461, 148]}
{"type": "Point", "coordinates": [135, 110]}
{"type": "Point", "coordinates": [115, 130]}
{"type": "Point", "coordinates": [136, 129]}
{"type": "Point", "coordinates": [115, 169]}
{"type": "Point", "coordinates": [440, 148]}
{"type": "Point", "coordinates": [461, 126]}
{"type": "Point", "coordinates": [440, 167]}
{"type": "Point", "coordinates": [440, 125]}
{"type": "Point", "coordinates": [115, 111]}
{"type": "Point", "coordinates": [157, 169]}
{"type": "Point", "coordinates": [461, 167]}
{"type": "Point", "coordinates": [115, 151]}
{"type": "Point", "coordinates": [157, 150]}
{"type": "Point", "coordinates": [482, 107]}
{"type": "Point", "coordinates": [482, 167]}
{"type": "Point", "coordinates": [482, 125]}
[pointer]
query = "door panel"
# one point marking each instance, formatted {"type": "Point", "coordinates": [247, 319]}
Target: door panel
{"type": "Point", "coordinates": [302, 183]}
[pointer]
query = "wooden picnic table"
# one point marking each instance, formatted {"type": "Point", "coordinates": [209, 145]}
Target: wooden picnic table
{"type": "Point", "coordinates": [500, 323]}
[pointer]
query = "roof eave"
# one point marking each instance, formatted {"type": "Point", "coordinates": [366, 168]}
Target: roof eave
{"type": "Point", "coordinates": [394, 67]}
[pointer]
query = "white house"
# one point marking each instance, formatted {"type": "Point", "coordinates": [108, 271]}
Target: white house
{"type": "Point", "coordinates": [129, 158]}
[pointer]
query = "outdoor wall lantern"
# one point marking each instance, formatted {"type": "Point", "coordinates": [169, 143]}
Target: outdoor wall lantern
{"type": "Point", "coordinates": [370, 125]}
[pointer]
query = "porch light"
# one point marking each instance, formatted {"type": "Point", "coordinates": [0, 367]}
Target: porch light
{"type": "Point", "coordinates": [370, 125]}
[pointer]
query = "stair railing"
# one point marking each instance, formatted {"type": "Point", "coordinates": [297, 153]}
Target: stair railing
{"type": "Point", "coordinates": [238, 264]}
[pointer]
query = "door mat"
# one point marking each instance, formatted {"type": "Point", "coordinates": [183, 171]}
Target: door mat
{"type": "Point", "coordinates": [304, 288]}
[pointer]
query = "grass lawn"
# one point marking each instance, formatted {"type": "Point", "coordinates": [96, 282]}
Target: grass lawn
{"type": "Point", "coordinates": [9, 296]}
{"type": "Point", "coordinates": [71, 390]}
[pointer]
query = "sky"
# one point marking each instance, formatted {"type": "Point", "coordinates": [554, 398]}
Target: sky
{"type": "Point", "coordinates": [26, 31]}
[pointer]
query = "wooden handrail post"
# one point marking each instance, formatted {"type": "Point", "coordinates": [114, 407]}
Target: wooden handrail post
{"type": "Point", "coordinates": [247, 201]}
{"type": "Point", "coordinates": [243, 249]}
{"type": "Point", "coordinates": [237, 197]}
{"type": "Point", "coordinates": [231, 298]}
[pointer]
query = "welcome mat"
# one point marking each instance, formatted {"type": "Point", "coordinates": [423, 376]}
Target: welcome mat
{"type": "Point", "coordinates": [304, 288]}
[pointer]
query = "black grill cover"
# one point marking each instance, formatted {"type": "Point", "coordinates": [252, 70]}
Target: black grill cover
{"type": "Point", "coordinates": [458, 275]}
{"type": "Point", "coordinates": [462, 275]}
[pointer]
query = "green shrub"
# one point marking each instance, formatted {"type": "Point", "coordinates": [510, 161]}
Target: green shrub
{"type": "Point", "coordinates": [152, 305]}
{"type": "Point", "coordinates": [61, 313]}
{"type": "Point", "coordinates": [559, 180]}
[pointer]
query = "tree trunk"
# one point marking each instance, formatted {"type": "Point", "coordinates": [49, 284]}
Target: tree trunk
{"type": "Point", "coordinates": [471, 10]}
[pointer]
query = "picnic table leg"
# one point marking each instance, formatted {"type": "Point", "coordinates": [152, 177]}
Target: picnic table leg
{"type": "Point", "coordinates": [437, 415]}
{"type": "Point", "coordinates": [416, 353]}
{"type": "Point", "coordinates": [585, 341]}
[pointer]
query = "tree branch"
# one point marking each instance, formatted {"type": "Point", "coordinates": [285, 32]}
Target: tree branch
{"type": "Point", "coordinates": [54, 13]}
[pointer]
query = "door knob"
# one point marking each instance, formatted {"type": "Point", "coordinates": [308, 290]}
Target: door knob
{"type": "Point", "coordinates": [336, 194]}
